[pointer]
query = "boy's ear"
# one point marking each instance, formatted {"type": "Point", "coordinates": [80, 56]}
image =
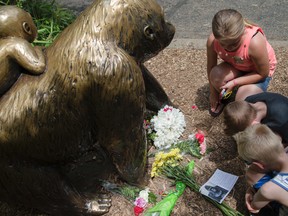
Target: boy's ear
{"type": "Point", "coordinates": [255, 122]}
{"type": "Point", "coordinates": [259, 164]}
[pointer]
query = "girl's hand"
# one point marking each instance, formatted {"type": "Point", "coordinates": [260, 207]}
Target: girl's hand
{"type": "Point", "coordinates": [248, 200]}
{"type": "Point", "coordinates": [229, 85]}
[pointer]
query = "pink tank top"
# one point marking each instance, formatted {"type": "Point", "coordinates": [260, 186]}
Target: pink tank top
{"type": "Point", "coordinates": [240, 58]}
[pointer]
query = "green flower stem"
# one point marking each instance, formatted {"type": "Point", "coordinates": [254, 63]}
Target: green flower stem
{"type": "Point", "coordinates": [165, 206]}
{"type": "Point", "coordinates": [179, 173]}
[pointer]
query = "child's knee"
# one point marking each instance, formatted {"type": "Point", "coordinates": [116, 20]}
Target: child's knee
{"type": "Point", "coordinates": [217, 76]}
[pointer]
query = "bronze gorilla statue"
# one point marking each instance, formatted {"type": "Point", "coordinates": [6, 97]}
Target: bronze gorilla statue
{"type": "Point", "coordinates": [82, 119]}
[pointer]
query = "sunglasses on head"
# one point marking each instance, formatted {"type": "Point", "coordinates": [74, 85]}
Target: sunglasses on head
{"type": "Point", "coordinates": [248, 163]}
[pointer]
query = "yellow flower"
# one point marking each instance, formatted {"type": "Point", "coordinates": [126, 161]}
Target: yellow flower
{"type": "Point", "coordinates": [160, 163]}
{"type": "Point", "coordinates": [162, 159]}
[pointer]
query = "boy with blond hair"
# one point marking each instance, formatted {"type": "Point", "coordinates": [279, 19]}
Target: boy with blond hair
{"type": "Point", "coordinates": [267, 108]}
{"type": "Point", "coordinates": [262, 149]}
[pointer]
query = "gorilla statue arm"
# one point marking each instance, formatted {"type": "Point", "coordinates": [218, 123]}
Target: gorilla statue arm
{"type": "Point", "coordinates": [22, 52]}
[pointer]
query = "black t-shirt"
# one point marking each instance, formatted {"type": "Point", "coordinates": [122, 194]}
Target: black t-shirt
{"type": "Point", "coordinates": [277, 112]}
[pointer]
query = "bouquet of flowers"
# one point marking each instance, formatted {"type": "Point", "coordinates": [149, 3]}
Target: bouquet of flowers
{"type": "Point", "coordinates": [162, 160]}
{"type": "Point", "coordinates": [141, 201]}
{"type": "Point", "coordinates": [199, 137]}
{"type": "Point", "coordinates": [179, 173]}
{"type": "Point", "coordinates": [168, 125]}
{"type": "Point", "coordinates": [183, 176]}
{"type": "Point", "coordinates": [130, 193]}
{"type": "Point", "coordinates": [195, 145]}
{"type": "Point", "coordinates": [172, 158]}
{"type": "Point", "coordinates": [165, 129]}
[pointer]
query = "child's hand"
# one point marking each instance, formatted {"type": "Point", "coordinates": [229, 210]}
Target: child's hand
{"type": "Point", "coordinates": [248, 200]}
{"type": "Point", "coordinates": [228, 86]}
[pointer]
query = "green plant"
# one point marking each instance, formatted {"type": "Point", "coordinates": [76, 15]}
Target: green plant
{"type": "Point", "coordinates": [49, 17]}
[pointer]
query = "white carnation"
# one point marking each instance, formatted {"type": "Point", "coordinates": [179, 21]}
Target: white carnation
{"type": "Point", "coordinates": [169, 125]}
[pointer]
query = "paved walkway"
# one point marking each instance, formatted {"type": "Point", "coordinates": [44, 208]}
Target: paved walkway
{"type": "Point", "coordinates": [192, 18]}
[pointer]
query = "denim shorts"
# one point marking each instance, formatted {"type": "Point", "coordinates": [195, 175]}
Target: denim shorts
{"type": "Point", "coordinates": [263, 84]}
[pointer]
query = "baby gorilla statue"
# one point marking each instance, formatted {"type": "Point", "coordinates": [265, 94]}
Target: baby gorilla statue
{"type": "Point", "coordinates": [17, 31]}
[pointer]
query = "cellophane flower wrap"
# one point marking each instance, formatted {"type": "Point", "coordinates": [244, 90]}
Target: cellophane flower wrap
{"type": "Point", "coordinates": [169, 124]}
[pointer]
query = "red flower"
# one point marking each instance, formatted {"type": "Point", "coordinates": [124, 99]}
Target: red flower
{"type": "Point", "coordinates": [167, 109]}
{"type": "Point", "coordinates": [199, 137]}
{"type": "Point", "coordinates": [138, 210]}
{"type": "Point", "coordinates": [194, 107]}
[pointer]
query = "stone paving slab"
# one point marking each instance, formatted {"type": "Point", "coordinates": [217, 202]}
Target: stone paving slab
{"type": "Point", "coordinates": [192, 18]}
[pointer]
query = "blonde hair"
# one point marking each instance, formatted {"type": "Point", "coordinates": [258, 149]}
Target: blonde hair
{"type": "Point", "coordinates": [229, 24]}
{"type": "Point", "coordinates": [259, 143]}
{"type": "Point", "coordinates": [238, 115]}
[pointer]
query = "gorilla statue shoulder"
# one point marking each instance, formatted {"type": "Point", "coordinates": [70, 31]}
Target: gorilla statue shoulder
{"type": "Point", "coordinates": [82, 119]}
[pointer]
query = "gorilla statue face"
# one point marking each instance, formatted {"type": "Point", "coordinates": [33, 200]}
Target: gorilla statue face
{"type": "Point", "coordinates": [158, 35]}
{"type": "Point", "coordinates": [144, 31]}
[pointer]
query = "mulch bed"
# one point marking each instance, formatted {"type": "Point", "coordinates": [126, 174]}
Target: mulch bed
{"type": "Point", "coordinates": [182, 73]}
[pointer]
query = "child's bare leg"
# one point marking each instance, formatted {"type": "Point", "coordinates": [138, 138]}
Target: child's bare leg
{"type": "Point", "coordinates": [219, 76]}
